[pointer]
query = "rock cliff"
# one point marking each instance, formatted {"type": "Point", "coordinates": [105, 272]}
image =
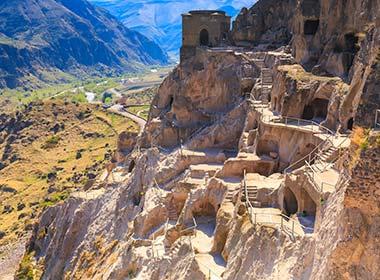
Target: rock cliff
{"type": "Point", "coordinates": [252, 165]}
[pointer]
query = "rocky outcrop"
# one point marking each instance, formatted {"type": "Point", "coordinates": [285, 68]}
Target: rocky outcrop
{"type": "Point", "coordinates": [267, 24]}
{"type": "Point", "coordinates": [209, 150]}
{"type": "Point", "coordinates": [300, 94]}
{"type": "Point", "coordinates": [201, 92]}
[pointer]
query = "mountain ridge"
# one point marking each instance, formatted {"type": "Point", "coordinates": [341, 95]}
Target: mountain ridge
{"type": "Point", "coordinates": [67, 36]}
{"type": "Point", "coordinates": [161, 20]}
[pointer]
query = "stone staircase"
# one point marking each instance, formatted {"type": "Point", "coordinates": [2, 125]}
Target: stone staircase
{"type": "Point", "coordinates": [230, 195]}
{"type": "Point", "coordinates": [172, 213]}
{"type": "Point", "coordinates": [252, 196]}
{"type": "Point", "coordinates": [173, 250]}
{"type": "Point", "coordinates": [259, 62]}
{"type": "Point", "coordinates": [266, 82]}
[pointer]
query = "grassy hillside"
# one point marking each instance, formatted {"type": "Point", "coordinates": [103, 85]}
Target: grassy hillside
{"type": "Point", "coordinates": [46, 151]}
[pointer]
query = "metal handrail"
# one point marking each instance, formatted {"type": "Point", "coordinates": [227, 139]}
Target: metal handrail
{"type": "Point", "coordinates": [210, 272]}
{"type": "Point", "coordinates": [287, 120]}
{"type": "Point", "coordinates": [310, 157]}
{"type": "Point", "coordinates": [191, 228]}
{"type": "Point", "coordinates": [282, 216]}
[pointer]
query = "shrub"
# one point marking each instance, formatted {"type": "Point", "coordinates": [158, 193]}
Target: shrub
{"type": "Point", "coordinates": [25, 270]}
{"type": "Point", "coordinates": [51, 142]}
{"type": "Point", "coordinates": [7, 189]}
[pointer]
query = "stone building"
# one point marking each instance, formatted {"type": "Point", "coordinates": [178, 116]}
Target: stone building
{"type": "Point", "coordinates": [209, 28]}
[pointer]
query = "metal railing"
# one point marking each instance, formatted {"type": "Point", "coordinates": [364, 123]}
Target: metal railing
{"type": "Point", "coordinates": [299, 122]}
{"type": "Point", "coordinates": [211, 275]}
{"type": "Point", "coordinates": [191, 228]}
{"type": "Point", "coordinates": [309, 157]}
{"type": "Point", "coordinates": [284, 220]}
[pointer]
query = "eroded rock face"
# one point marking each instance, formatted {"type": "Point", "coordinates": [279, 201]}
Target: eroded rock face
{"type": "Point", "coordinates": [114, 235]}
{"type": "Point", "coordinates": [196, 94]}
{"type": "Point", "coordinates": [267, 23]}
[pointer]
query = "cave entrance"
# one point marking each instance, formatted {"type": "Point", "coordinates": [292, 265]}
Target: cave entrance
{"type": "Point", "coordinates": [310, 208]}
{"type": "Point", "coordinates": [206, 209]}
{"type": "Point", "coordinates": [316, 110]}
{"type": "Point", "coordinates": [203, 38]}
{"type": "Point", "coordinates": [266, 147]}
{"type": "Point", "coordinates": [350, 124]}
{"type": "Point", "coordinates": [350, 50]}
{"type": "Point", "coordinates": [290, 202]}
{"type": "Point", "coordinates": [131, 166]}
{"type": "Point", "coordinates": [171, 100]}
{"type": "Point", "coordinates": [310, 27]}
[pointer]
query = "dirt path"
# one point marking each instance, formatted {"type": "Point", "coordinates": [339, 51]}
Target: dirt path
{"type": "Point", "coordinates": [118, 109]}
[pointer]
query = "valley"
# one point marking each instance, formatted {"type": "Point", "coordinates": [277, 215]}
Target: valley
{"type": "Point", "coordinates": [60, 143]}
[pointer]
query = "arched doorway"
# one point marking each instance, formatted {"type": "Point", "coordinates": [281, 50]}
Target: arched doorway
{"type": "Point", "coordinates": [350, 124]}
{"type": "Point", "coordinates": [203, 38]}
{"type": "Point", "coordinates": [309, 207]}
{"type": "Point", "coordinates": [316, 110]}
{"type": "Point", "coordinates": [290, 202]}
{"type": "Point", "coordinates": [308, 113]}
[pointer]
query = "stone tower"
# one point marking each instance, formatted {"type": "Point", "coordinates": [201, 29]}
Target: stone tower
{"type": "Point", "coordinates": [209, 28]}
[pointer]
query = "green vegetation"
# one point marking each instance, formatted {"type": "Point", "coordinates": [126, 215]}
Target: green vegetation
{"type": "Point", "coordinates": [141, 111]}
{"type": "Point", "coordinates": [100, 85]}
{"type": "Point", "coordinates": [51, 167]}
{"type": "Point", "coordinates": [54, 199]}
{"type": "Point", "coordinates": [51, 142]}
{"type": "Point", "coordinates": [25, 270]}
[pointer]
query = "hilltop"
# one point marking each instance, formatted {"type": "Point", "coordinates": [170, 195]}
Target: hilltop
{"type": "Point", "coordinates": [47, 41]}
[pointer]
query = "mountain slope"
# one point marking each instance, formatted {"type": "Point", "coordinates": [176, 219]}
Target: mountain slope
{"type": "Point", "coordinates": [161, 20]}
{"type": "Point", "coordinates": [39, 36]}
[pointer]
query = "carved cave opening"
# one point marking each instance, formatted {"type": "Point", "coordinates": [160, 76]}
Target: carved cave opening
{"type": "Point", "coordinates": [351, 47]}
{"type": "Point", "coordinates": [171, 100]}
{"type": "Point", "coordinates": [204, 37]}
{"type": "Point", "coordinates": [310, 27]}
{"type": "Point", "coordinates": [290, 202]}
{"type": "Point", "coordinates": [131, 166]}
{"type": "Point", "coordinates": [205, 208]}
{"type": "Point", "coordinates": [265, 147]}
{"type": "Point", "coordinates": [310, 208]}
{"type": "Point", "coordinates": [350, 124]}
{"type": "Point", "coordinates": [316, 110]}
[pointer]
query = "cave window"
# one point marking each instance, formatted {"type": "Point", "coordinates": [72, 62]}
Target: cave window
{"type": "Point", "coordinates": [310, 27]}
{"type": "Point", "coordinates": [204, 38]}
{"type": "Point", "coordinates": [131, 166]}
{"type": "Point", "coordinates": [171, 100]}
{"type": "Point", "coordinates": [316, 110]}
{"type": "Point", "coordinates": [290, 202]}
{"type": "Point", "coordinates": [308, 113]}
{"type": "Point", "coordinates": [255, 125]}
{"type": "Point", "coordinates": [350, 124]}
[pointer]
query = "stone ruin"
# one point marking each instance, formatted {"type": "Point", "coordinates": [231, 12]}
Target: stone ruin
{"type": "Point", "coordinates": [244, 168]}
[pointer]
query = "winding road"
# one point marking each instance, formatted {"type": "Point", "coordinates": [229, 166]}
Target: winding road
{"type": "Point", "coordinates": [119, 109]}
